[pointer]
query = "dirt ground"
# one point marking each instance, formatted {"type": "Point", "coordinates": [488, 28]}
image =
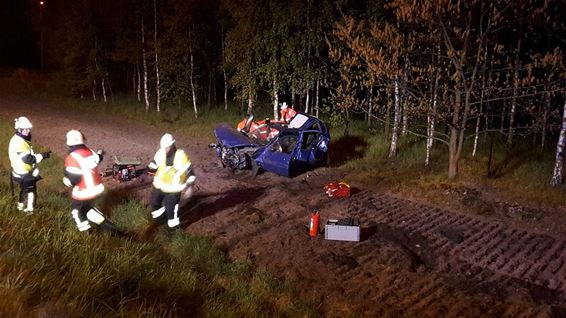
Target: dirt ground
{"type": "Point", "coordinates": [414, 259]}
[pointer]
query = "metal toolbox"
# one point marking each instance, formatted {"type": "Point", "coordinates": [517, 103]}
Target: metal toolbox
{"type": "Point", "coordinates": [347, 229]}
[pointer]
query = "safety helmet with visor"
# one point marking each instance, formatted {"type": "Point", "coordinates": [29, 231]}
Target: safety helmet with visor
{"type": "Point", "coordinates": [166, 141]}
{"type": "Point", "coordinates": [74, 137]}
{"type": "Point", "coordinates": [22, 123]}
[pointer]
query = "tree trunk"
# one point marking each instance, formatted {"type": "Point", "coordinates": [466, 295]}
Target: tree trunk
{"type": "Point", "coordinates": [396, 121]}
{"type": "Point", "coordinates": [94, 90]}
{"type": "Point", "coordinates": [476, 136]}
{"type": "Point", "coordinates": [370, 105]}
{"type": "Point", "coordinates": [144, 61]}
{"type": "Point", "coordinates": [225, 90]}
{"type": "Point", "coordinates": [431, 118]}
{"type": "Point", "coordinates": [103, 90]}
{"type": "Point", "coordinates": [557, 174]}
{"type": "Point", "coordinates": [544, 119]}
{"type": "Point", "coordinates": [307, 101]}
{"type": "Point", "coordinates": [134, 84]}
{"type": "Point", "coordinates": [387, 124]}
{"type": "Point", "coordinates": [515, 93]}
{"type": "Point", "coordinates": [316, 105]}
{"type": "Point", "coordinates": [453, 157]}
{"type": "Point", "coordinates": [404, 97]}
{"type": "Point", "coordinates": [193, 88]}
{"type": "Point", "coordinates": [250, 104]}
{"type": "Point", "coordinates": [157, 84]}
{"type": "Point", "coordinates": [275, 101]}
{"type": "Point", "coordinates": [139, 81]}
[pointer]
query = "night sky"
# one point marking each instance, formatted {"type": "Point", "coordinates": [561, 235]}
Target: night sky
{"type": "Point", "coordinates": [19, 43]}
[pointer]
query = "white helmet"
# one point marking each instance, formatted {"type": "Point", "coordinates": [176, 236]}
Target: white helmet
{"type": "Point", "coordinates": [166, 141]}
{"type": "Point", "coordinates": [22, 123]}
{"type": "Point", "coordinates": [74, 137]}
{"type": "Point", "coordinates": [284, 105]}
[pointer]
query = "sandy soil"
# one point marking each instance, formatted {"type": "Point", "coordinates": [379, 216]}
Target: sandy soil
{"type": "Point", "coordinates": [414, 259]}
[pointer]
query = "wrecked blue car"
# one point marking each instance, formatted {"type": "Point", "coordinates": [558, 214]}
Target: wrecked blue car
{"type": "Point", "coordinates": [300, 146]}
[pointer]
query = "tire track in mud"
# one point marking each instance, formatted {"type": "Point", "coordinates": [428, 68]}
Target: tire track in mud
{"type": "Point", "coordinates": [485, 251]}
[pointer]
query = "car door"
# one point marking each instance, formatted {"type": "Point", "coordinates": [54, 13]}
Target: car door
{"type": "Point", "coordinates": [278, 154]}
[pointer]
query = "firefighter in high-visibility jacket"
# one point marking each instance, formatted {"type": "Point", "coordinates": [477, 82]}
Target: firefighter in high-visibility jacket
{"type": "Point", "coordinates": [173, 174]}
{"type": "Point", "coordinates": [81, 174]}
{"type": "Point", "coordinates": [24, 161]}
{"type": "Point", "coordinates": [287, 113]}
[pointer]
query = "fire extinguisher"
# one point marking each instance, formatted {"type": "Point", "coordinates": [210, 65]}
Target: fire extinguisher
{"type": "Point", "coordinates": [313, 228]}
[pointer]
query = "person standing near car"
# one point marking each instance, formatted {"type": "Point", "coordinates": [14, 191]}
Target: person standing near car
{"type": "Point", "coordinates": [23, 161]}
{"type": "Point", "coordinates": [287, 113]}
{"type": "Point", "coordinates": [81, 174]}
{"type": "Point", "coordinates": [173, 174]}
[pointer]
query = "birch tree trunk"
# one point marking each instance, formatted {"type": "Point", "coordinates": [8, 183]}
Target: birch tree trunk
{"type": "Point", "coordinates": [144, 61]}
{"type": "Point", "coordinates": [396, 121]}
{"type": "Point", "coordinates": [225, 90]}
{"type": "Point", "coordinates": [224, 73]}
{"type": "Point", "coordinates": [370, 105]}
{"type": "Point", "coordinates": [559, 162]}
{"type": "Point", "coordinates": [544, 119]}
{"type": "Point", "coordinates": [307, 101]}
{"type": "Point", "coordinates": [134, 84]}
{"type": "Point", "coordinates": [139, 80]}
{"type": "Point", "coordinates": [250, 104]}
{"type": "Point", "coordinates": [404, 97]}
{"type": "Point", "coordinates": [275, 101]}
{"type": "Point", "coordinates": [157, 84]}
{"type": "Point", "coordinates": [515, 92]}
{"type": "Point", "coordinates": [431, 119]}
{"type": "Point", "coordinates": [387, 124]}
{"type": "Point", "coordinates": [316, 105]}
{"type": "Point", "coordinates": [193, 89]}
{"type": "Point", "coordinates": [94, 90]}
{"type": "Point", "coordinates": [103, 89]}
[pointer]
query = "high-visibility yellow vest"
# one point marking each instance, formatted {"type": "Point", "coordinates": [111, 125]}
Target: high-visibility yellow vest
{"type": "Point", "coordinates": [173, 178]}
{"type": "Point", "coordinates": [17, 150]}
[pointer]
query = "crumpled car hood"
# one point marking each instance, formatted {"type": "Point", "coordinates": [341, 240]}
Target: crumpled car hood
{"type": "Point", "coordinates": [231, 137]}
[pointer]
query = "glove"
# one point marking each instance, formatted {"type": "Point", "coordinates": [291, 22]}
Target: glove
{"type": "Point", "coordinates": [38, 158]}
{"type": "Point", "coordinates": [101, 152]}
{"type": "Point", "coordinates": [46, 154]}
{"type": "Point", "coordinates": [67, 182]}
{"type": "Point", "coordinates": [191, 180]}
{"type": "Point", "coordinates": [152, 167]}
{"type": "Point", "coordinates": [35, 172]}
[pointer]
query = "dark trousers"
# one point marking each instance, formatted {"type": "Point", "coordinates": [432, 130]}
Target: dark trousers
{"type": "Point", "coordinates": [82, 207]}
{"type": "Point", "coordinates": [163, 199]}
{"type": "Point", "coordinates": [27, 184]}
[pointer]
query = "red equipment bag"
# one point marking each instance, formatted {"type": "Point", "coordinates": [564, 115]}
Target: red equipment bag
{"type": "Point", "coordinates": [337, 189]}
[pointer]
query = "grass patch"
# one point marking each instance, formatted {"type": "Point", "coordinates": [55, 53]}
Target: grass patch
{"type": "Point", "coordinates": [49, 269]}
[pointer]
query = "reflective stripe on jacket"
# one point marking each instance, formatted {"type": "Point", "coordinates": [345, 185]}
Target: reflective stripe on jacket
{"type": "Point", "coordinates": [18, 149]}
{"type": "Point", "coordinates": [173, 178]}
{"type": "Point", "coordinates": [84, 162]}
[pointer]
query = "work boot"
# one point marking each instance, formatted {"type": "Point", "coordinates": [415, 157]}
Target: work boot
{"type": "Point", "coordinates": [157, 213]}
{"type": "Point", "coordinates": [29, 207]}
{"type": "Point", "coordinates": [81, 225]}
{"type": "Point", "coordinates": [173, 223]}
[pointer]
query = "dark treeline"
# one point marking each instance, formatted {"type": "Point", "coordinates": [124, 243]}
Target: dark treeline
{"type": "Point", "coordinates": [444, 70]}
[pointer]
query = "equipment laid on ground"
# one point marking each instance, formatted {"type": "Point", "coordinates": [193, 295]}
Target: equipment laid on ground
{"type": "Point", "coordinates": [124, 168]}
{"type": "Point", "coordinates": [347, 229]}
{"type": "Point", "coordinates": [313, 227]}
{"type": "Point", "coordinates": [337, 189]}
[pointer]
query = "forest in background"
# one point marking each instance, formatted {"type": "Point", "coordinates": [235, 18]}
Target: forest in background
{"type": "Point", "coordinates": [446, 71]}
